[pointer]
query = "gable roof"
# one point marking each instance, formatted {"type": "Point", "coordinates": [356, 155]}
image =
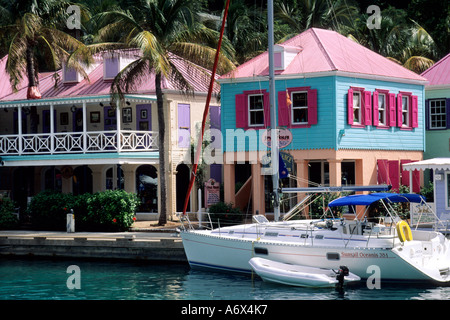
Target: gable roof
{"type": "Point", "coordinates": [439, 73]}
{"type": "Point", "coordinates": [324, 51]}
{"type": "Point", "coordinates": [196, 76]}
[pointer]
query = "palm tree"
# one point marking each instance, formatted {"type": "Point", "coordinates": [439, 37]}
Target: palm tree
{"type": "Point", "coordinates": [398, 38]}
{"type": "Point", "coordinates": [30, 31]}
{"type": "Point", "coordinates": [163, 30]}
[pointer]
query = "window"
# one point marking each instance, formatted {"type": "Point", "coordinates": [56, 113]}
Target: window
{"type": "Point", "coordinates": [405, 111]}
{"type": "Point", "coordinates": [438, 114]}
{"type": "Point", "coordinates": [356, 107]}
{"type": "Point", "coordinates": [299, 107]}
{"type": "Point", "coordinates": [359, 107]}
{"type": "Point", "coordinates": [252, 109]}
{"type": "Point", "coordinates": [382, 109]}
{"type": "Point", "coordinates": [256, 110]}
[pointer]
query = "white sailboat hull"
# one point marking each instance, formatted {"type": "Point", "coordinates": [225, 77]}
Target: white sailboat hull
{"type": "Point", "coordinates": [385, 258]}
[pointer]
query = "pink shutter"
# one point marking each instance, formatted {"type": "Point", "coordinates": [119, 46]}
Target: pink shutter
{"type": "Point", "coordinates": [383, 171]}
{"type": "Point", "coordinates": [350, 106]}
{"type": "Point", "coordinates": [391, 105]}
{"type": "Point", "coordinates": [376, 116]}
{"type": "Point", "coordinates": [394, 172]}
{"type": "Point", "coordinates": [312, 106]}
{"type": "Point", "coordinates": [266, 109]}
{"type": "Point", "coordinates": [415, 177]}
{"type": "Point", "coordinates": [399, 110]}
{"type": "Point", "coordinates": [414, 112]}
{"type": "Point", "coordinates": [241, 111]}
{"type": "Point", "coordinates": [283, 109]}
{"type": "Point", "coordinates": [367, 108]}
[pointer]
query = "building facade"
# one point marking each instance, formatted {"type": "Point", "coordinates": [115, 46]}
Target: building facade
{"type": "Point", "coordinates": [75, 140]}
{"type": "Point", "coordinates": [347, 115]}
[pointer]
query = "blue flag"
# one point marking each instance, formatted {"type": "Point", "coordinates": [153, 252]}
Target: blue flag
{"type": "Point", "coordinates": [282, 170]}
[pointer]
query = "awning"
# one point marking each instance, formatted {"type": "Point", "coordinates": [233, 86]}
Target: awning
{"type": "Point", "coordinates": [368, 199]}
{"type": "Point", "coordinates": [435, 164]}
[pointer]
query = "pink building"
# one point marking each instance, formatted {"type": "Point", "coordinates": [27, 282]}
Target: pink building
{"type": "Point", "coordinates": [353, 117]}
{"type": "Point", "coordinates": [74, 140]}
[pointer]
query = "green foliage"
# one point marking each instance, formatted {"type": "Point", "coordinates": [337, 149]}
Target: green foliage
{"type": "Point", "coordinates": [428, 191]}
{"type": "Point", "coordinates": [102, 211]}
{"type": "Point", "coordinates": [7, 219]}
{"type": "Point", "coordinates": [223, 214]}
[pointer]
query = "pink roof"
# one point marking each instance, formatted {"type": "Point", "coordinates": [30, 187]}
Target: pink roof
{"type": "Point", "coordinates": [326, 50]}
{"type": "Point", "coordinates": [439, 73]}
{"type": "Point", "coordinates": [199, 80]}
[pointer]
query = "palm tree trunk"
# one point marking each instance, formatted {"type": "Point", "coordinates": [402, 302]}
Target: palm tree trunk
{"type": "Point", "coordinates": [163, 157]}
{"type": "Point", "coordinates": [32, 92]}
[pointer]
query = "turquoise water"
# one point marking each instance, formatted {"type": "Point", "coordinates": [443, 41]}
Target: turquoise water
{"type": "Point", "coordinates": [37, 279]}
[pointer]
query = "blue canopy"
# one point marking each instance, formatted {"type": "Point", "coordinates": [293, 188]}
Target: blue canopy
{"type": "Point", "coordinates": [367, 199]}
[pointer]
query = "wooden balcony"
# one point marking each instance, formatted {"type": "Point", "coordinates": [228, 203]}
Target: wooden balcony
{"type": "Point", "coordinates": [79, 142]}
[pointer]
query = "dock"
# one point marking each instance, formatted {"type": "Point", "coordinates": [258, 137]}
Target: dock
{"type": "Point", "coordinates": [144, 246]}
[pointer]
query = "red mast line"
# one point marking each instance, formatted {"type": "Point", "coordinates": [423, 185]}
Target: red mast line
{"type": "Point", "coordinates": [205, 112]}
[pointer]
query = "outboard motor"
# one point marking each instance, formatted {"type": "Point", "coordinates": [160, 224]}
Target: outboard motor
{"type": "Point", "coordinates": [343, 271]}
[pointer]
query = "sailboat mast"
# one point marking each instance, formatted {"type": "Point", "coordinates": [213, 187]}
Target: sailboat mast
{"type": "Point", "coordinates": [273, 114]}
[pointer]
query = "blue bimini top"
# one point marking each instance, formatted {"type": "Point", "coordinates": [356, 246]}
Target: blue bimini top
{"type": "Point", "coordinates": [368, 199]}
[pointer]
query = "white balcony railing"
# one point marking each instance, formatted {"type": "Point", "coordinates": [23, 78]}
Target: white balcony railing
{"type": "Point", "coordinates": [78, 142]}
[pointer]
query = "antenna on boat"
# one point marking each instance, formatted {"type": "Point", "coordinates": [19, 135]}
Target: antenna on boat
{"type": "Point", "coordinates": [273, 115]}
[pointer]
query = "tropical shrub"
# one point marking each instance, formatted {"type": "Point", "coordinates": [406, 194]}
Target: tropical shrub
{"type": "Point", "coordinates": [102, 211]}
{"type": "Point", "coordinates": [223, 214]}
{"type": "Point", "coordinates": [7, 218]}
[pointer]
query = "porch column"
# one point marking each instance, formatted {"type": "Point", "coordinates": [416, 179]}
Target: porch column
{"type": "Point", "coordinates": [119, 138]}
{"type": "Point", "coordinates": [302, 181]}
{"type": "Point", "coordinates": [335, 172]}
{"type": "Point", "coordinates": [229, 182]}
{"type": "Point", "coordinates": [52, 128]}
{"type": "Point", "coordinates": [257, 189]}
{"type": "Point", "coordinates": [19, 128]}
{"type": "Point", "coordinates": [85, 143]}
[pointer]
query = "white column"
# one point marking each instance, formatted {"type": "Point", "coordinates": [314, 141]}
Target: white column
{"type": "Point", "coordinates": [85, 144]}
{"type": "Point", "coordinates": [52, 128]}
{"type": "Point", "coordinates": [119, 147]}
{"type": "Point", "coordinates": [20, 129]}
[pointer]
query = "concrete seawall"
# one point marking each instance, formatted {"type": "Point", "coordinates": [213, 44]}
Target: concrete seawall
{"type": "Point", "coordinates": [145, 246]}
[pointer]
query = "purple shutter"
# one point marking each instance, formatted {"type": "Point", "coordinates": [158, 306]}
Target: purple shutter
{"type": "Point", "coordinates": [241, 111]}
{"type": "Point", "coordinates": [111, 67]}
{"type": "Point", "coordinates": [284, 113]}
{"type": "Point", "coordinates": [376, 115]}
{"type": "Point", "coordinates": [367, 96]}
{"type": "Point", "coordinates": [392, 110]}
{"type": "Point", "coordinates": [144, 117]}
{"type": "Point", "coordinates": [214, 116]}
{"type": "Point", "coordinates": [267, 109]}
{"type": "Point", "coordinates": [427, 114]}
{"type": "Point", "coordinates": [414, 112]}
{"type": "Point", "coordinates": [399, 110]}
{"type": "Point", "coordinates": [312, 106]}
{"type": "Point", "coordinates": [350, 106]}
{"type": "Point", "coordinates": [184, 126]}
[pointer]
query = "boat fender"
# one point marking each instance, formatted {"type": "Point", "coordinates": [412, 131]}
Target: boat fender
{"type": "Point", "coordinates": [403, 231]}
{"type": "Point", "coordinates": [343, 272]}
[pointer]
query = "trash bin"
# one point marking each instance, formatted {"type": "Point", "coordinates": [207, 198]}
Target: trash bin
{"type": "Point", "coordinates": [70, 222]}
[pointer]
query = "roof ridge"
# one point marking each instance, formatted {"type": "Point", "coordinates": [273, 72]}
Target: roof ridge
{"type": "Point", "coordinates": [436, 64]}
{"type": "Point", "coordinates": [322, 48]}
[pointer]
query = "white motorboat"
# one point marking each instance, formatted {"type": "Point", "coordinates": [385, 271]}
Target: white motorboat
{"type": "Point", "coordinates": [401, 254]}
{"type": "Point", "coordinates": [295, 275]}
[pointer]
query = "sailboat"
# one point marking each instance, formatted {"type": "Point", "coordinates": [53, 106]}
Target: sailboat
{"type": "Point", "coordinates": [387, 248]}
